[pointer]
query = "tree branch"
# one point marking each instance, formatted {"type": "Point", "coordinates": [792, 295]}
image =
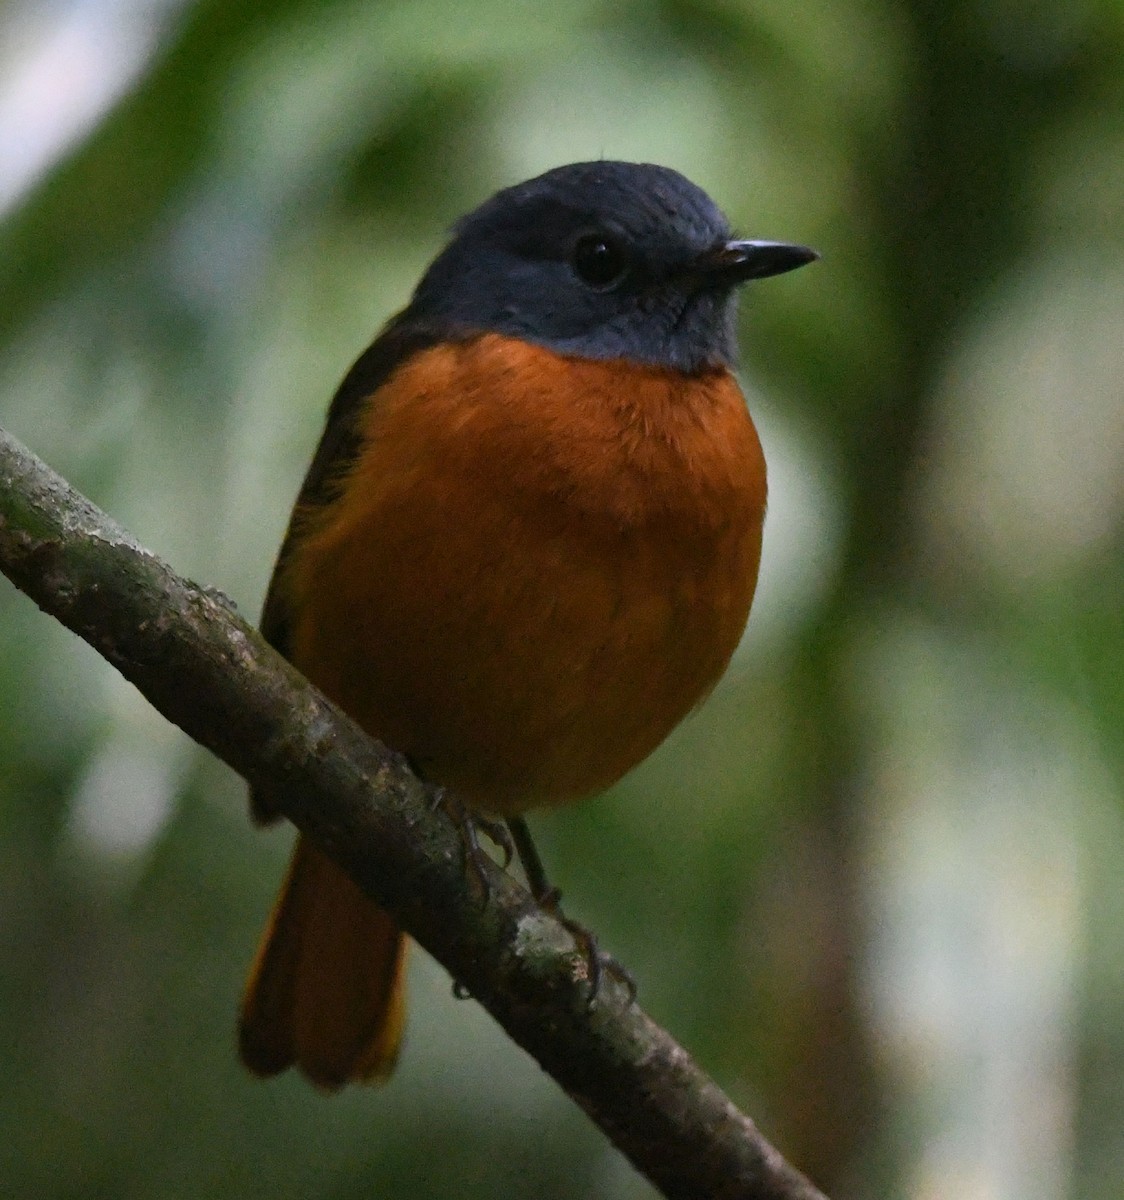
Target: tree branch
{"type": "Point", "coordinates": [204, 668]}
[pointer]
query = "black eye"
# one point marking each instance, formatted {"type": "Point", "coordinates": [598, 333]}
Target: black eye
{"type": "Point", "coordinates": [599, 261]}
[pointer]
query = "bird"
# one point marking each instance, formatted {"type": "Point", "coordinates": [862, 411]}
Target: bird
{"type": "Point", "coordinates": [525, 549]}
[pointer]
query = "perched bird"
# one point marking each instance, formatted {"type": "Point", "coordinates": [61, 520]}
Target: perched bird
{"type": "Point", "coordinates": [525, 549]}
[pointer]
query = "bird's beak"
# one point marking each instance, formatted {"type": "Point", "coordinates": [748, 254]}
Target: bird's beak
{"type": "Point", "coordinates": [737, 261]}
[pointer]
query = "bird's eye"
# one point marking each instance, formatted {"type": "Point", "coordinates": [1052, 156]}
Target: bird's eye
{"type": "Point", "coordinates": [599, 261]}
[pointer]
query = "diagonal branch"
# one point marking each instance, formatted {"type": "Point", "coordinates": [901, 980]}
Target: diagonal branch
{"type": "Point", "coordinates": [204, 668]}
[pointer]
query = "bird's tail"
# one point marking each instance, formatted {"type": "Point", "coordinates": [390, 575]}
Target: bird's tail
{"type": "Point", "coordinates": [327, 990]}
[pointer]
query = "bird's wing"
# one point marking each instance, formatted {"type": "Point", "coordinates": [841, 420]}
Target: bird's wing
{"type": "Point", "coordinates": [339, 447]}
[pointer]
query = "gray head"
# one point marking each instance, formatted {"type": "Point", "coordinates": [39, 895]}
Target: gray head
{"type": "Point", "coordinates": [601, 260]}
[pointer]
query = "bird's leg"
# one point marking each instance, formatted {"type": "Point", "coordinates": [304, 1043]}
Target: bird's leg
{"type": "Point", "coordinates": [531, 861]}
{"type": "Point", "coordinates": [550, 898]}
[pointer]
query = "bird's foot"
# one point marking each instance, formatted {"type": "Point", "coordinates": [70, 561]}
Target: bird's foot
{"type": "Point", "coordinates": [470, 825]}
{"type": "Point", "coordinates": [598, 962]}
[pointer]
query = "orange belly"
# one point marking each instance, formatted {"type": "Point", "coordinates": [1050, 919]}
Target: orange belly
{"type": "Point", "coordinates": [536, 567]}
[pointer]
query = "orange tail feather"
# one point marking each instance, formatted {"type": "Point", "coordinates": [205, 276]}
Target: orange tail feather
{"type": "Point", "coordinates": [327, 990]}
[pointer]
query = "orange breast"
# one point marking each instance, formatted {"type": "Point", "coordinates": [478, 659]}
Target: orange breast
{"type": "Point", "coordinates": [535, 569]}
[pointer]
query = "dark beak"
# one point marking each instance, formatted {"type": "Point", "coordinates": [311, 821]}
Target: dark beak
{"type": "Point", "coordinates": [735, 262]}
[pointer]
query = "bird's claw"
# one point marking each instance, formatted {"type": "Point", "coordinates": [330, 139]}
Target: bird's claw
{"type": "Point", "coordinates": [598, 962]}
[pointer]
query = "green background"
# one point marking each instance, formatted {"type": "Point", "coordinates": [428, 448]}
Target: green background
{"type": "Point", "coordinates": [875, 883]}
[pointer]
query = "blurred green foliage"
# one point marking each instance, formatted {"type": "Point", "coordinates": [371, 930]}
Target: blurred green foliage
{"type": "Point", "coordinates": [874, 883]}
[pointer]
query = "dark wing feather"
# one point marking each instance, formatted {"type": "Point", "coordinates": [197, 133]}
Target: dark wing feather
{"type": "Point", "coordinates": [403, 337]}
